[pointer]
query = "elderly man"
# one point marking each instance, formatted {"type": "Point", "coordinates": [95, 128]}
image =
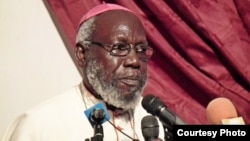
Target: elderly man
{"type": "Point", "coordinates": [112, 51]}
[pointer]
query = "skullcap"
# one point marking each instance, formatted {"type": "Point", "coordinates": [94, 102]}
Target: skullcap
{"type": "Point", "coordinates": [101, 9]}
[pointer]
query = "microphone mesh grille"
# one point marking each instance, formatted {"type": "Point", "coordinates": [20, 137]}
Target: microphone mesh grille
{"type": "Point", "coordinates": [152, 104]}
{"type": "Point", "coordinates": [150, 127]}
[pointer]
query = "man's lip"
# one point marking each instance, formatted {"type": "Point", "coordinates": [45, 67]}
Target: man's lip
{"type": "Point", "coordinates": [130, 81]}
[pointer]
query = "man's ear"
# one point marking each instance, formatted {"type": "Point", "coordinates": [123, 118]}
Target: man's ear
{"type": "Point", "coordinates": [80, 55]}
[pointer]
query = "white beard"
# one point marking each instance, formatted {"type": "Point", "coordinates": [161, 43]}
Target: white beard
{"type": "Point", "coordinates": [109, 91]}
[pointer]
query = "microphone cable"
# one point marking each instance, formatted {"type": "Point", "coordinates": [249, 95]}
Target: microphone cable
{"type": "Point", "coordinates": [122, 131]}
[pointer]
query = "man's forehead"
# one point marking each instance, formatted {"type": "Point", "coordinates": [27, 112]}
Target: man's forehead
{"type": "Point", "coordinates": [101, 9]}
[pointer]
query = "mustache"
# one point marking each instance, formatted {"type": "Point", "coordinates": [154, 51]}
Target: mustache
{"type": "Point", "coordinates": [141, 78]}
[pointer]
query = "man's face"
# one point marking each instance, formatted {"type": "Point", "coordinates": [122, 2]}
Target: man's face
{"type": "Point", "coordinates": [119, 80]}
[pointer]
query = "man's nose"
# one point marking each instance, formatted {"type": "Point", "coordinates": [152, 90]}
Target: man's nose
{"type": "Point", "coordinates": [132, 59]}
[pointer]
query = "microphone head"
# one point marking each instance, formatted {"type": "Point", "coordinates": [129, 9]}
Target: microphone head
{"type": "Point", "coordinates": [219, 109]}
{"type": "Point", "coordinates": [150, 127]}
{"type": "Point", "coordinates": [152, 104]}
{"type": "Point", "coordinates": [97, 115]}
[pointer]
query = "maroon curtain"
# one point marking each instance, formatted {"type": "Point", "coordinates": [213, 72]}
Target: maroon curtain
{"type": "Point", "coordinates": [202, 49]}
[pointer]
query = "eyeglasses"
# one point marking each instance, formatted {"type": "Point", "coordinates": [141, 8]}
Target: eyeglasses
{"type": "Point", "coordinates": [122, 49]}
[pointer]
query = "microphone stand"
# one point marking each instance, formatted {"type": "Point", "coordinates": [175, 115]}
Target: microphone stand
{"type": "Point", "coordinates": [98, 133]}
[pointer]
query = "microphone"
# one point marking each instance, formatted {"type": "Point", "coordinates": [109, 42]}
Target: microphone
{"type": "Point", "coordinates": [150, 128]}
{"type": "Point", "coordinates": [156, 107]}
{"type": "Point", "coordinates": [97, 115]}
{"type": "Point", "coordinates": [221, 111]}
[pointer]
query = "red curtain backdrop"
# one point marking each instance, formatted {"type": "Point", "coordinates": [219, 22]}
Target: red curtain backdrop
{"type": "Point", "coordinates": [202, 49]}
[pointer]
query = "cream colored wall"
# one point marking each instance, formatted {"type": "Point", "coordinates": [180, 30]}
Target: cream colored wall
{"type": "Point", "coordinates": [34, 63]}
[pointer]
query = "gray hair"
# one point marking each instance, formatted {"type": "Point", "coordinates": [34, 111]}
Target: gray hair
{"type": "Point", "coordinates": [85, 31]}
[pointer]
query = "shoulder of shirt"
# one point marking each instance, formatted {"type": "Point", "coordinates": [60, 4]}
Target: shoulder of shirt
{"type": "Point", "coordinates": [63, 102]}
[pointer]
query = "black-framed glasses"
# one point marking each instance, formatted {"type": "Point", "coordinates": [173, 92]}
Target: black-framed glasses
{"type": "Point", "coordinates": [123, 49]}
